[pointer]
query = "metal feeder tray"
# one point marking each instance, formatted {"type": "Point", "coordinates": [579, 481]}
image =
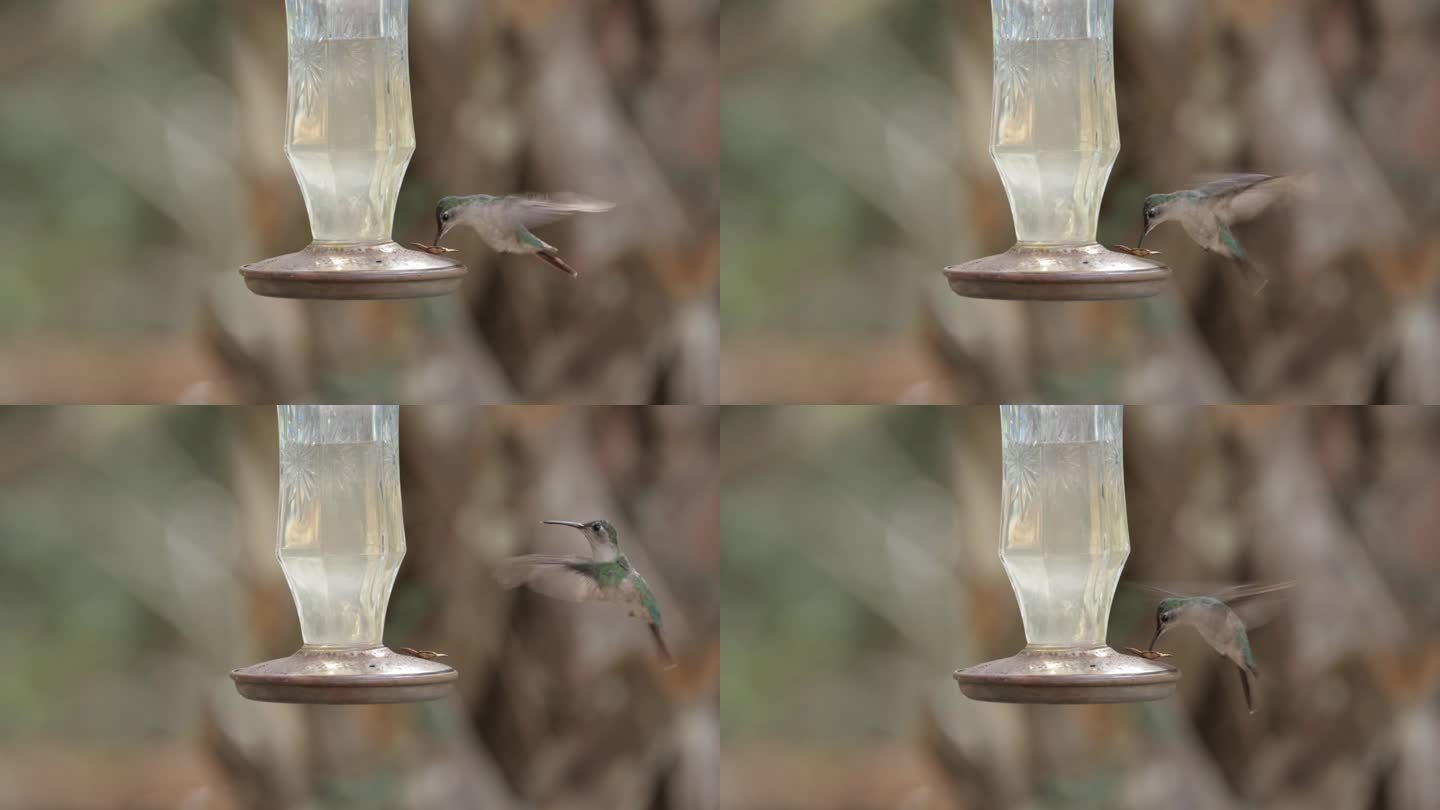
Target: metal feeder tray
{"type": "Point", "coordinates": [331, 675]}
{"type": "Point", "coordinates": [1068, 675]}
{"type": "Point", "coordinates": [373, 271]}
{"type": "Point", "coordinates": [1058, 273]}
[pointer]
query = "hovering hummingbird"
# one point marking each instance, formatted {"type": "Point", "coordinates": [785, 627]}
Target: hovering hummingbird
{"type": "Point", "coordinates": [1220, 626]}
{"type": "Point", "coordinates": [606, 575]}
{"type": "Point", "coordinates": [504, 223]}
{"type": "Point", "coordinates": [1207, 213]}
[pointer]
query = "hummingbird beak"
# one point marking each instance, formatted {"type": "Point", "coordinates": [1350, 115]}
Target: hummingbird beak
{"type": "Point", "coordinates": [1144, 229]}
{"type": "Point", "coordinates": [1159, 628]}
{"type": "Point", "coordinates": [569, 523]}
{"type": "Point", "coordinates": [439, 233]}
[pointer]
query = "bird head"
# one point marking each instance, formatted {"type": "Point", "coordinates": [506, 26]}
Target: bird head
{"type": "Point", "coordinates": [1166, 614]}
{"type": "Point", "coordinates": [1158, 208]}
{"type": "Point", "coordinates": [604, 542]}
{"type": "Point", "coordinates": [447, 213]}
{"type": "Point", "coordinates": [452, 211]}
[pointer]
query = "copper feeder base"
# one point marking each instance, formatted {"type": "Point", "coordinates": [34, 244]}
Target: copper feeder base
{"type": "Point", "coordinates": [354, 272]}
{"type": "Point", "coordinates": [1064, 675]}
{"type": "Point", "coordinates": [330, 675]}
{"type": "Point", "coordinates": [1058, 273]}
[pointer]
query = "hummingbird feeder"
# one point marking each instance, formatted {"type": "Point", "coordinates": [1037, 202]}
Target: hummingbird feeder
{"type": "Point", "coordinates": [1054, 138]}
{"type": "Point", "coordinates": [349, 135]}
{"type": "Point", "coordinates": [1063, 541]}
{"type": "Point", "coordinates": [341, 540]}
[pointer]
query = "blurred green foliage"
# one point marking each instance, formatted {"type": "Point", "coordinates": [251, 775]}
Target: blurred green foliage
{"type": "Point", "coordinates": [94, 248]}
{"type": "Point", "coordinates": [807, 529]}
{"type": "Point", "coordinates": [90, 649]}
{"type": "Point", "coordinates": [805, 250]}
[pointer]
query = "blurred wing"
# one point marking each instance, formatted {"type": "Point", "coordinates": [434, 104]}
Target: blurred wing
{"type": "Point", "coordinates": [1241, 197]}
{"type": "Point", "coordinates": [535, 210]}
{"type": "Point", "coordinates": [1261, 610]}
{"type": "Point", "coordinates": [1237, 592]}
{"type": "Point", "coordinates": [554, 575]}
{"type": "Point", "coordinates": [1257, 605]}
{"type": "Point", "coordinates": [1227, 183]}
{"type": "Point", "coordinates": [1155, 590]}
{"type": "Point", "coordinates": [1237, 597]}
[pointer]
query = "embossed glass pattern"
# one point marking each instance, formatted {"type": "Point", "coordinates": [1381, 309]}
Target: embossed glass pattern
{"type": "Point", "coordinates": [341, 534]}
{"type": "Point", "coordinates": [1054, 136]}
{"type": "Point", "coordinates": [349, 129]}
{"type": "Point", "coordinates": [1064, 537]}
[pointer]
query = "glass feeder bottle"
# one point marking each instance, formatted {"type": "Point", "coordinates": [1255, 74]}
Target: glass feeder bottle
{"type": "Point", "coordinates": [1064, 538]}
{"type": "Point", "coordinates": [349, 136]}
{"type": "Point", "coordinates": [1063, 543]}
{"type": "Point", "coordinates": [1054, 137]}
{"type": "Point", "coordinates": [341, 539]}
{"type": "Point", "coordinates": [341, 536]}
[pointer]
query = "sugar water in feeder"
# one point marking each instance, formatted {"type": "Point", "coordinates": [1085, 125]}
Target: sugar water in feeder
{"type": "Point", "coordinates": [1064, 538]}
{"type": "Point", "coordinates": [350, 130]}
{"type": "Point", "coordinates": [1055, 135]}
{"type": "Point", "coordinates": [342, 536]}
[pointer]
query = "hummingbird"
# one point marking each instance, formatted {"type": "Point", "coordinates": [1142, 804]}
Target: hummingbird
{"type": "Point", "coordinates": [1208, 211]}
{"type": "Point", "coordinates": [1218, 624]}
{"type": "Point", "coordinates": [504, 223]}
{"type": "Point", "coordinates": [605, 576]}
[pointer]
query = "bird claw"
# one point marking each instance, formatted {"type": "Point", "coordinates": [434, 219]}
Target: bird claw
{"type": "Point", "coordinates": [433, 250]}
{"type": "Point", "coordinates": [1141, 252]}
{"type": "Point", "coordinates": [428, 655]}
{"type": "Point", "coordinates": [1149, 655]}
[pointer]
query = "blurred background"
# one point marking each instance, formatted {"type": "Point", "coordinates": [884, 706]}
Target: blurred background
{"type": "Point", "coordinates": [142, 163]}
{"type": "Point", "coordinates": [854, 152]}
{"type": "Point", "coordinates": [137, 569]}
{"type": "Point", "coordinates": [860, 570]}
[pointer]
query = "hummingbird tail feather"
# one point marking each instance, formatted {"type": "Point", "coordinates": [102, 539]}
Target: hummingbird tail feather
{"type": "Point", "coordinates": [1254, 275]}
{"type": "Point", "coordinates": [1245, 684]}
{"type": "Point", "coordinates": [663, 647]}
{"type": "Point", "coordinates": [558, 263]}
